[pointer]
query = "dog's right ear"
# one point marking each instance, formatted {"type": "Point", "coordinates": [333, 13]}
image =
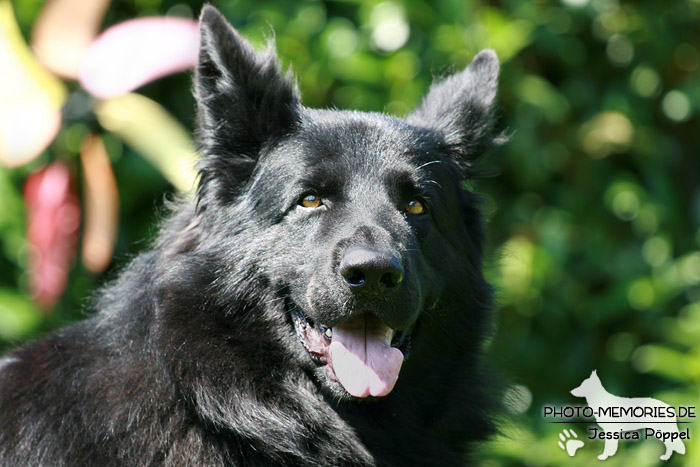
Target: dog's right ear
{"type": "Point", "coordinates": [243, 99]}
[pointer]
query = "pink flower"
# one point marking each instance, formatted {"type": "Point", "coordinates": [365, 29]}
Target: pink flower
{"type": "Point", "coordinates": [136, 52]}
{"type": "Point", "coordinates": [53, 213]}
{"type": "Point", "coordinates": [123, 58]}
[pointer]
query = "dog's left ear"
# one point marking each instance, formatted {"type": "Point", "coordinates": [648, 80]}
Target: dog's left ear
{"type": "Point", "coordinates": [461, 108]}
{"type": "Point", "coordinates": [244, 101]}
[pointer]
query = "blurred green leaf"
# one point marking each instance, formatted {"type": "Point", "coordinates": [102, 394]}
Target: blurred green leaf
{"type": "Point", "coordinates": [19, 317]}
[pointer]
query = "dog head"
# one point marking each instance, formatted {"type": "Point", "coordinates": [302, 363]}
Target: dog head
{"type": "Point", "coordinates": [357, 225]}
{"type": "Point", "coordinates": [589, 387]}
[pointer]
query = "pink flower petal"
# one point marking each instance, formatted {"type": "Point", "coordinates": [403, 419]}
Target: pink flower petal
{"type": "Point", "coordinates": [138, 51]}
{"type": "Point", "coordinates": [54, 219]}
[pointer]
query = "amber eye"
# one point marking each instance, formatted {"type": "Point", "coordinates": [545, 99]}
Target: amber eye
{"type": "Point", "coordinates": [311, 201]}
{"type": "Point", "coordinates": [415, 207]}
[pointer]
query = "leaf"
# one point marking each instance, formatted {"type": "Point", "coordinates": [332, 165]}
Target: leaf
{"type": "Point", "coordinates": [19, 317]}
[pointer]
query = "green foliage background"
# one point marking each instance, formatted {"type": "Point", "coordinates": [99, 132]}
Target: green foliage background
{"type": "Point", "coordinates": [594, 209]}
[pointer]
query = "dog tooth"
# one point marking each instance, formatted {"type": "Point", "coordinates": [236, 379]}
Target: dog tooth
{"type": "Point", "coordinates": [329, 333]}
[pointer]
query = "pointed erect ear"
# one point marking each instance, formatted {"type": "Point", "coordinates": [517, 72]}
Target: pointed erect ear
{"type": "Point", "coordinates": [243, 100]}
{"type": "Point", "coordinates": [461, 107]}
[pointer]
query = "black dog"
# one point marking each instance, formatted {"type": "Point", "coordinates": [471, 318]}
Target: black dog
{"type": "Point", "coordinates": [319, 301]}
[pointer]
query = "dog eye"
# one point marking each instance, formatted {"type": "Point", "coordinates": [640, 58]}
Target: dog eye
{"type": "Point", "coordinates": [415, 207]}
{"type": "Point", "coordinates": [311, 201]}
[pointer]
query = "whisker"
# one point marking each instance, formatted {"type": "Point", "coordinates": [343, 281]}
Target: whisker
{"type": "Point", "coordinates": [429, 163]}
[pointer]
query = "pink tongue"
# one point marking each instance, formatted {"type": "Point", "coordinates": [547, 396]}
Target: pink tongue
{"type": "Point", "coordinates": [362, 357]}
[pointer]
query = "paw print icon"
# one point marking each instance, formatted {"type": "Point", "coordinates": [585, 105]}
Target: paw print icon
{"type": "Point", "coordinates": [569, 442]}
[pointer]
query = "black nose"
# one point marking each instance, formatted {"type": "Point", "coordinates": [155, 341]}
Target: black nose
{"type": "Point", "coordinates": [371, 271]}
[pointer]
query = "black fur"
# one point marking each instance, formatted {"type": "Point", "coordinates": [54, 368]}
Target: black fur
{"type": "Point", "coordinates": [193, 357]}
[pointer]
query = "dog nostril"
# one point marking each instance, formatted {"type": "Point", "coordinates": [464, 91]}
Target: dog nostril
{"type": "Point", "coordinates": [390, 280]}
{"type": "Point", "coordinates": [354, 277]}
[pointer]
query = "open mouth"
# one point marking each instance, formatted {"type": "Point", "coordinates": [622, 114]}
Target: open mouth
{"type": "Point", "coordinates": [363, 354]}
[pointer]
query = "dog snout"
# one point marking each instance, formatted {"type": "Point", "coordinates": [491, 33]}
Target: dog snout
{"type": "Point", "coordinates": [371, 271]}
